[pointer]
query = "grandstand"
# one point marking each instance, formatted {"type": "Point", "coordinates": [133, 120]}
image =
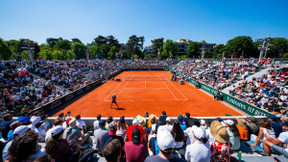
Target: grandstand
{"type": "Point", "coordinates": [84, 87]}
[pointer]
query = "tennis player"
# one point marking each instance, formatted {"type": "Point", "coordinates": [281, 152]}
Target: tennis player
{"type": "Point", "coordinates": [114, 101]}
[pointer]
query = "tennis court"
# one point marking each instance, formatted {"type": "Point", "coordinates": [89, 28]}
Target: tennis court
{"type": "Point", "coordinates": [147, 91]}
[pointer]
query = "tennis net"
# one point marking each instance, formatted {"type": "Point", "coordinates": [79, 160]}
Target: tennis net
{"type": "Point", "coordinates": [144, 78]}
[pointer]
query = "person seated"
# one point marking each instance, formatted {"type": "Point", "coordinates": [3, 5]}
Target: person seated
{"type": "Point", "coordinates": [279, 145]}
{"type": "Point", "coordinates": [218, 96]}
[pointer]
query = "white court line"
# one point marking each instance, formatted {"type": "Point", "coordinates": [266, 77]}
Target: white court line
{"type": "Point", "coordinates": [145, 88]}
{"type": "Point", "coordinates": [149, 100]}
{"type": "Point", "coordinates": [123, 87]}
{"type": "Point", "coordinates": [145, 81]}
{"type": "Point", "coordinates": [178, 90]}
{"type": "Point", "coordinates": [168, 88]}
{"type": "Point", "coordinates": [113, 91]}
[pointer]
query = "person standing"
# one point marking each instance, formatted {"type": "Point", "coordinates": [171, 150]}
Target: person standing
{"type": "Point", "coordinates": [221, 148]}
{"type": "Point", "coordinates": [114, 101]}
{"type": "Point", "coordinates": [198, 152]}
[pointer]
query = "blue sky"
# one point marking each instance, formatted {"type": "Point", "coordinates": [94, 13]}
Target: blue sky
{"type": "Point", "coordinates": [210, 20]}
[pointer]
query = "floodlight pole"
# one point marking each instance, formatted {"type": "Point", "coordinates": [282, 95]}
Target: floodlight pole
{"type": "Point", "coordinates": [261, 50]}
{"type": "Point", "coordinates": [202, 52]}
{"type": "Point", "coordinates": [30, 52]}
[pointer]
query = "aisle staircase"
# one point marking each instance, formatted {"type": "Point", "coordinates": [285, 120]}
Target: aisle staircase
{"type": "Point", "coordinates": [249, 78]}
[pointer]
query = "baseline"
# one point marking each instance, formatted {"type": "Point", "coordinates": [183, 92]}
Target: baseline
{"type": "Point", "coordinates": [148, 100]}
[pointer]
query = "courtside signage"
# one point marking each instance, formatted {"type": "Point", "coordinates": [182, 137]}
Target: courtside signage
{"type": "Point", "coordinates": [239, 104]}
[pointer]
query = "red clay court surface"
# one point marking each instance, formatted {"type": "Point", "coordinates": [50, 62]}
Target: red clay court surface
{"type": "Point", "coordinates": [138, 97]}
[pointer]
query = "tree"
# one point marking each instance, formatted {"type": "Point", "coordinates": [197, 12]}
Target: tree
{"type": "Point", "coordinates": [52, 41]}
{"type": "Point", "coordinates": [63, 45]}
{"type": "Point", "coordinates": [59, 55]}
{"type": "Point", "coordinates": [241, 45]}
{"type": "Point", "coordinates": [218, 51]}
{"type": "Point", "coordinates": [104, 48]}
{"type": "Point", "coordinates": [111, 53]}
{"type": "Point", "coordinates": [93, 51]}
{"type": "Point", "coordinates": [111, 41]}
{"type": "Point", "coordinates": [25, 55]}
{"type": "Point", "coordinates": [14, 45]}
{"type": "Point", "coordinates": [278, 48]}
{"type": "Point", "coordinates": [135, 45]}
{"type": "Point", "coordinates": [134, 56]}
{"type": "Point", "coordinates": [47, 54]}
{"type": "Point", "coordinates": [70, 55]}
{"type": "Point", "coordinates": [5, 51]}
{"type": "Point", "coordinates": [100, 40]}
{"type": "Point", "coordinates": [169, 49]}
{"type": "Point", "coordinates": [74, 40]}
{"type": "Point", "coordinates": [193, 50]}
{"type": "Point", "coordinates": [79, 49]}
{"type": "Point", "coordinates": [157, 45]}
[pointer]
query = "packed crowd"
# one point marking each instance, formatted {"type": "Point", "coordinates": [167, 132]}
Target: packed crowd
{"type": "Point", "coordinates": [69, 74]}
{"type": "Point", "coordinates": [146, 139]}
{"type": "Point", "coordinates": [220, 74]}
{"type": "Point", "coordinates": [21, 91]}
{"type": "Point", "coordinates": [268, 92]}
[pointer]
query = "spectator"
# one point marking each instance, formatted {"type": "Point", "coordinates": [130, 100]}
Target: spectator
{"type": "Point", "coordinates": [280, 144]}
{"type": "Point", "coordinates": [96, 122]}
{"type": "Point", "coordinates": [128, 136]}
{"type": "Point", "coordinates": [208, 134]}
{"type": "Point", "coordinates": [275, 125]}
{"type": "Point", "coordinates": [46, 124]}
{"type": "Point", "coordinates": [197, 151]}
{"type": "Point", "coordinates": [5, 125]}
{"type": "Point", "coordinates": [13, 126]}
{"type": "Point", "coordinates": [112, 151]}
{"type": "Point", "coordinates": [98, 135]}
{"type": "Point", "coordinates": [189, 134]}
{"type": "Point", "coordinates": [57, 147]}
{"type": "Point", "coordinates": [179, 139]}
{"type": "Point", "coordinates": [74, 133]}
{"type": "Point", "coordinates": [233, 133]}
{"type": "Point", "coordinates": [168, 125]}
{"type": "Point", "coordinates": [135, 151]}
{"type": "Point", "coordinates": [109, 120]}
{"type": "Point", "coordinates": [152, 141]}
{"type": "Point", "coordinates": [152, 117]}
{"type": "Point", "coordinates": [122, 126]}
{"type": "Point", "coordinates": [18, 131]}
{"type": "Point", "coordinates": [40, 131]}
{"type": "Point", "coordinates": [80, 123]}
{"type": "Point", "coordinates": [112, 135]}
{"type": "Point", "coordinates": [162, 118]}
{"type": "Point", "coordinates": [182, 122]}
{"type": "Point", "coordinates": [243, 130]}
{"type": "Point", "coordinates": [252, 124]}
{"type": "Point", "coordinates": [57, 121]}
{"type": "Point", "coordinates": [166, 145]}
{"type": "Point", "coordinates": [221, 148]}
{"type": "Point", "coordinates": [24, 117]}
{"type": "Point", "coordinates": [264, 131]}
{"type": "Point", "coordinates": [25, 148]}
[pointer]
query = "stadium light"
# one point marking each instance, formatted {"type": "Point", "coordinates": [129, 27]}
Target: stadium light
{"type": "Point", "coordinates": [266, 42]}
{"type": "Point", "coordinates": [30, 46]}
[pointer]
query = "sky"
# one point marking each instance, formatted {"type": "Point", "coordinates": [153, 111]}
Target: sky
{"type": "Point", "coordinates": [209, 20]}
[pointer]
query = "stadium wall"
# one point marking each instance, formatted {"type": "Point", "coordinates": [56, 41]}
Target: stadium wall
{"type": "Point", "coordinates": [237, 103]}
